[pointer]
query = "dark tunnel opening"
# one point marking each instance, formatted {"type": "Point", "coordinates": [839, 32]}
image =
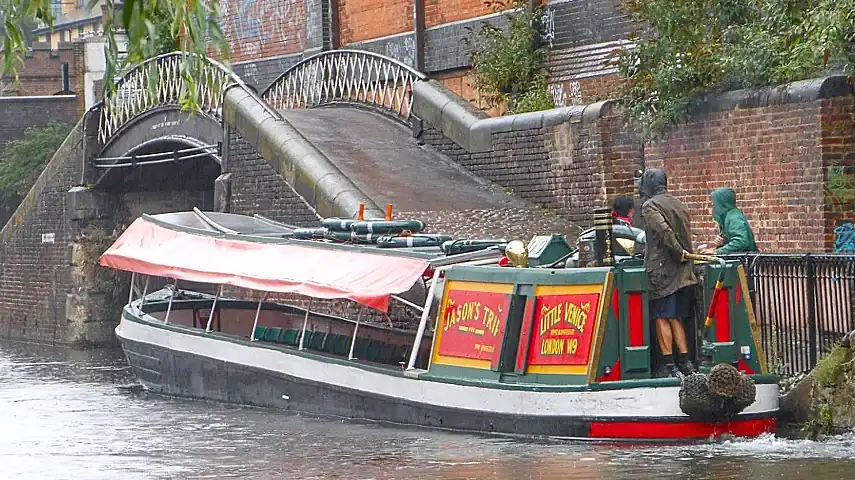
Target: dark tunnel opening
{"type": "Point", "coordinates": [174, 184]}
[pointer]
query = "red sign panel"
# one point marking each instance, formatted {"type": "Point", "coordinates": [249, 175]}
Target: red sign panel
{"type": "Point", "coordinates": [563, 329]}
{"type": "Point", "coordinates": [473, 324]}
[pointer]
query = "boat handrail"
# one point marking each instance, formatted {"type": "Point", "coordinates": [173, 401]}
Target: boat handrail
{"type": "Point", "coordinates": [274, 223]}
{"type": "Point", "coordinates": [408, 303]}
{"type": "Point", "coordinates": [212, 223]}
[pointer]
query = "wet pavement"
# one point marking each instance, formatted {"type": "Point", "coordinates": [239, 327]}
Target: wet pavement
{"type": "Point", "coordinates": [81, 415]}
{"type": "Point", "coordinates": [381, 157]}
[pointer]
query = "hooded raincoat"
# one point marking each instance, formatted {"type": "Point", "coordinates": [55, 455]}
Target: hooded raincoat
{"type": "Point", "coordinates": [669, 233]}
{"type": "Point", "coordinates": [732, 224]}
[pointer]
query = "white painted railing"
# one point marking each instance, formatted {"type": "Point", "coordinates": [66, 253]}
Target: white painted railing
{"type": "Point", "coordinates": [346, 77]}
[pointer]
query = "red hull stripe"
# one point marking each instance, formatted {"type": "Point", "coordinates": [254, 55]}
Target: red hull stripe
{"type": "Point", "coordinates": [677, 430]}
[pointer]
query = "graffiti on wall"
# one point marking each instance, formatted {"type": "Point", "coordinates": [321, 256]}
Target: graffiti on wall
{"type": "Point", "coordinates": [566, 94]}
{"type": "Point", "coordinates": [549, 26]}
{"type": "Point", "coordinates": [402, 49]}
{"type": "Point", "coordinates": [844, 238]}
{"type": "Point", "coordinates": [252, 25]}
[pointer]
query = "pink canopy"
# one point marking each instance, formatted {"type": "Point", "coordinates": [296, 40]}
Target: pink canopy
{"type": "Point", "coordinates": [365, 277]}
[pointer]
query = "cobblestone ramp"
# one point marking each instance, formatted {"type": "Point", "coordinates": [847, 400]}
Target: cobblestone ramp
{"type": "Point", "coordinates": [381, 157]}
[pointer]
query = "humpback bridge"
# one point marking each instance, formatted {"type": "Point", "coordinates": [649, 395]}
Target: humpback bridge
{"type": "Point", "coordinates": [339, 129]}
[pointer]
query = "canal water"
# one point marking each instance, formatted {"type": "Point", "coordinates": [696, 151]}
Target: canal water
{"type": "Point", "coordinates": [70, 415]}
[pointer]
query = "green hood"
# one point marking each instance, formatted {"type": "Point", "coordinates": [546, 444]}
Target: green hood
{"type": "Point", "coordinates": [724, 200]}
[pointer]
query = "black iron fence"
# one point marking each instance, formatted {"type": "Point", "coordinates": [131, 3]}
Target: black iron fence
{"type": "Point", "coordinates": [803, 303]}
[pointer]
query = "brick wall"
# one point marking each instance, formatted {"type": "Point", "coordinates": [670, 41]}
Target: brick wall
{"type": "Point", "coordinates": [438, 12]}
{"type": "Point", "coordinates": [585, 91]}
{"type": "Point", "coordinates": [837, 133]}
{"type": "Point", "coordinates": [256, 188]}
{"type": "Point", "coordinates": [19, 113]}
{"type": "Point", "coordinates": [41, 72]}
{"type": "Point", "coordinates": [257, 29]}
{"type": "Point", "coordinates": [460, 82]}
{"type": "Point", "coordinates": [368, 19]}
{"type": "Point", "coordinates": [34, 274]}
{"type": "Point", "coordinates": [774, 157]}
{"type": "Point", "coordinates": [570, 168]}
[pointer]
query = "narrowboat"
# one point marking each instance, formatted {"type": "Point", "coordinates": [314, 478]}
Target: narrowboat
{"type": "Point", "coordinates": [506, 338]}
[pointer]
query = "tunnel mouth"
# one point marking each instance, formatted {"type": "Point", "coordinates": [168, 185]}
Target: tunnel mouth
{"type": "Point", "coordinates": [161, 165]}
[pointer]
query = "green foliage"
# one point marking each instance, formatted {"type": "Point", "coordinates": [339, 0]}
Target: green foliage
{"type": "Point", "coordinates": [151, 26]}
{"type": "Point", "coordinates": [508, 65]}
{"type": "Point", "coordinates": [829, 370]}
{"type": "Point", "coordinates": [821, 423]}
{"type": "Point", "coordinates": [840, 188]}
{"type": "Point", "coordinates": [687, 49]}
{"type": "Point", "coordinates": [193, 25]}
{"type": "Point", "coordinates": [22, 161]}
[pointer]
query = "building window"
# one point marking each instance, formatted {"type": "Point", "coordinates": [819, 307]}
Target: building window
{"type": "Point", "coordinates": [80, 31]}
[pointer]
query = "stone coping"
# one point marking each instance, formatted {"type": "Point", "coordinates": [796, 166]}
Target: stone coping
{"type": "Point", "coordinates": [473, 130]}
{"type": "Point", "coordinates": [795, 92]}
{"type": "Point", "coordinates": [305, 168]}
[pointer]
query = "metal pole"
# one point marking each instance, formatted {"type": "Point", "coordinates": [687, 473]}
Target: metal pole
{"type": "Point", "coordinates": [144, 292]}
{"type": "Point", "coordinates": [419, 34]}
{"type": "Point", "coordinates": [811, 304]}
{"type": "Point", "coordinates": [257, 313]}
{"type": "Point", "coordinates": [425, 314]}
{"type": "Point", "coordinates": [305, 325]}
{"type": "Point", "coordinates": [407, 303]}
{"type": "Point", "coordinates": [133, 284]}
{"type": "Point", "coordinates": [355, 330]}
{"type": "Point", "coordinates": [213, 309]}
{"type": "Point", "coordinates": [169, 307]}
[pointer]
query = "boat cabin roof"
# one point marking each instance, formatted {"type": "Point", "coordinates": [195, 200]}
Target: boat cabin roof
{"type": "Point", "coordinates": [185, 249]}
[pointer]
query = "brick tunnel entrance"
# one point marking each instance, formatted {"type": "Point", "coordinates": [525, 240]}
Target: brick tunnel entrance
{"type": "Point", "coordinates": [160, 176]}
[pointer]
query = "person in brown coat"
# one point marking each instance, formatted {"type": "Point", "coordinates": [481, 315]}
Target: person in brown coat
{"type": "Point", "coordinates": [671, 276]}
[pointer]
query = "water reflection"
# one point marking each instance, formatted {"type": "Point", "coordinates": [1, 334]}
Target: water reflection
{"type": "Point", "coordinates": [67, 414]}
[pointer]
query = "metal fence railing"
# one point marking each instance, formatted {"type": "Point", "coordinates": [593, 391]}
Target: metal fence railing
{"type": "Point", "coordinates": [803, 304]}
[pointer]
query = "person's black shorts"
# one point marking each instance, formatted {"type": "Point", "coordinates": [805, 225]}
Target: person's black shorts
{"type": "Point", "coordinates": [677, 305]}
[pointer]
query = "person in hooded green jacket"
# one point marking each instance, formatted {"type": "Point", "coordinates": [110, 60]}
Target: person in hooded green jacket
{"type": "Point", "coordinates": [735, 233]}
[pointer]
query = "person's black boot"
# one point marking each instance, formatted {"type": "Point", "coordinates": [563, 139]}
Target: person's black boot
{"type": "Point", "coordinates": [666, 368]}
{"type": "Point", "coordinates": [685, 365]}
{"type": "Point", "coordinates": [673, 371]}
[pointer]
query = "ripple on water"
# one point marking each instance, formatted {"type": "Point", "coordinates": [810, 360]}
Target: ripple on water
{"type": "Point", "coordinates": [69, 415]}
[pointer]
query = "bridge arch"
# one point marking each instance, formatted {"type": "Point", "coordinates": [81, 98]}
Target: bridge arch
{"type": "Point", "coordinates": [165, 141]}
{"type": "Point", "coordinates": [347, 77]}
{"type": "Point", "coordinates": [158, 83]}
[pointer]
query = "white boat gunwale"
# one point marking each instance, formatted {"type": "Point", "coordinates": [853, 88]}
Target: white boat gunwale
{"type": "Point", "coordinates": [130, 314]}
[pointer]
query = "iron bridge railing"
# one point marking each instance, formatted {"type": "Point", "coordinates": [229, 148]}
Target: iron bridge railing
{"type": "Point", "coordinates": [346, 77]}
{"type": "Point", "coordinates": [803, 303]}
{"type": "Point", "coordinates": [159, 82]}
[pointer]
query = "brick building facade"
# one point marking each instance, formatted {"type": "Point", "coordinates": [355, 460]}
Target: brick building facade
{"type": "Point", "coordinates": [41, 73]}
{"type": "Point", "coordinates": [269, 36]}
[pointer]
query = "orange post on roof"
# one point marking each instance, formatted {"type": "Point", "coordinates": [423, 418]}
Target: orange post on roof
{"type": "Point", "coordinates": [388, 212]}
{"type": "Point", "coordinates": [361, 214]}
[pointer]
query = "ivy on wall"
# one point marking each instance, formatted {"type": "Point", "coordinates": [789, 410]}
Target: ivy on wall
{"type": "Point", "coordinates": [508, 64]}
{"type": "Point", "coordinates": [23, 160]}
{"type": "Point", "coordinates": [688, 49]}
